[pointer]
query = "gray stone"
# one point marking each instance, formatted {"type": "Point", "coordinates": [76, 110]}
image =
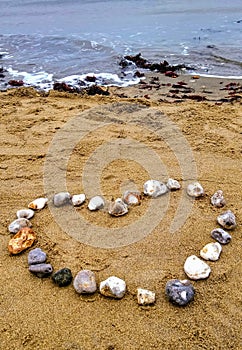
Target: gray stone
{"type": "Point", "coordinates": [85, 282]}
{"type": "Point", "coordinates": [36, 256]}
{"type": "Point", "coordinates": [41, 270]}
{"type": "Point", "coordinates": [221, 236]}
{"type": "Point", "coordinates": [179, 292]}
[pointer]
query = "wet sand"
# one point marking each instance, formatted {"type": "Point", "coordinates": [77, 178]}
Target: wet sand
{"type": "Point", "coordinates": [35, 313]}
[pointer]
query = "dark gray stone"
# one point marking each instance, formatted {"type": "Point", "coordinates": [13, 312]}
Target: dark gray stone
{"type": "Point", "coordinates": [221, 236]}
{"type": "Point", "coordinates": [179, 292]}
{"type": "Point", "coordinates": [62, 277]}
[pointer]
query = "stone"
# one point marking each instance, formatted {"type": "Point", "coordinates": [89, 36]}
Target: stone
{"type": "Point", "coordinates": [62, 277]}
{"type": "Point", "coordinates": [154, 188]}
{"type": "Point", "coordinates": [38, 203]}
{"type": "Point", "coordinates": [221, 235]}
{"type": "Point", "coordinates": [113, 287]}
{"type": "Point", "coordinates": [173, 185]}
{"type": "Point", "coordinates": [18, 224]}
{"type": "Point", "coordinates": [195, 190]}
{"type": "Point", "coordinates": [179, 292]}
{"type": "Point", "coordinates": [41, 270]}
{"type": "Point", "coordinates": [145, 296]}
{"type": "Point", "coordinates": [211, 251]}
{"type": "Point", "coordinates": [61, 199]}
{"type": "Point", "coordinates": [85, 282]}
{"type": "Point", "coordinates": [36, 256]}
{"type": "Point", "coordinates": [23, 240]}
{"type": "Point", "coordinates": [96, 203]}
{"type": "Point", "coordinates": [227, 220]}
{"type": "Point", "coordinates": [196, 268]}
{"type": "Point", "coordinates": [217, 199]}
{"type": "Point", "coordinates": [132, 197]}
{"type": "Point", "coordinates": [78, 199]}
{"type": "Point", "coordinates": [118, 208]}
{"type": "Point", "coordinates": [25, 213]}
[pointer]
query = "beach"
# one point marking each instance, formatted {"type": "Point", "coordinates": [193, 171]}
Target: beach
{"type": "Point", "coordinates": [205, 115]}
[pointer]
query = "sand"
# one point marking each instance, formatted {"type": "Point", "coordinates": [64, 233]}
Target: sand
{"type": "Point", "coordinates": [37, 314]}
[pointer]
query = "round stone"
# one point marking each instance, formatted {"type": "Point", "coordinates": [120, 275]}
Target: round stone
{"type": "Point", "coordinates": [173, 185]}
{"type": "Point", "coordinates": [221, 235]}
{"type": "Point", "coordinates": [85, 282]}
{"type": "Point", "coordinates": [96, 203]}
{"type": "Point", "coordinates": [211, 251]}
{"type": "Point", "coordinates": [217, 200]}
{"type": "Point", "coordinates": [61, 198]}
{"type": "Point", "coordinates": [196, 268]}
{"type": "Point", "coordinates": [180, 292]}
{"type": "Point", "coordinates": [195, 190]}
{"type": "Point", "coordinates": [36, 256]}
{"type": "Point", "coordinates": [118, 208]}
{"type": "Point", "coordinates": [62, 277]}
{"type": "Point", "coordinates": [78, 199]}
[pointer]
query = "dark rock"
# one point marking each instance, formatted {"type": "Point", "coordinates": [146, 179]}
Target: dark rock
{"type": "Point", "coordinates": [179, 292]}
{"type": "Point", "coordinates": [62, 277]}
{"type": "Point", "coordinates": [95, 90]}
{"type": "Point", "coordinates": [36, 256]}
{"type": "Point", "coordinates": [90, 78]}
{"type": "Point", "coordinates": [16, 82]}
{"type": "Point", "coordinates": [41, 270]}
{"type": "Point", "coordinates": [221, 236]}
{"type": "Point", "coordinates": [63, 87]}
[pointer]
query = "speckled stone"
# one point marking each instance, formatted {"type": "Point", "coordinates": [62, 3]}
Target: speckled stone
{"type": "Point", "coordinates": [179, 292]}
{"type": "Point", "coordinates": [62, 277]}
{"type": "Point", "coordinates": [85, 282]}
{"type": "Point", "coordinates": [227, 220]}
{"type": "Point", "coordinates": [36, 256]}
{"type": "Point", "coordinates": [145, 296]}
{"type": "Point", "coordinates": [173, 184]}
{"type": "Point", "coordinates": [217, 199]}
{"type": "Point", "coordinates": [221, 236]}
{"type": "Point", "coordinates": [17, 224]}
{"type": "Point", "coordinates": [195, 190]}
{"type": "Point", "coordinates": [154, 188]}
{"type": "Point", "coordinates": [41, 270]}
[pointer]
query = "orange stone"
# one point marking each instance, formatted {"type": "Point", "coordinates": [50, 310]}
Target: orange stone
{"type": "Point", "coordinates": [24, 239]}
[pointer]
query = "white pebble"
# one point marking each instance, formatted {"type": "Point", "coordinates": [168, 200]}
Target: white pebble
{"type": "Point", "coordinates": [195, 190]}
{"type": "Point", "coordinates": [195, 268]}
{"type": "Point", "coordinates": [113, 287]}
{"type": "Point", "coordinates": [78, 199]}
{"type": "Point", "coordinates": [96, 203]}
{"type": "Point", "coordinates": [154, 188]}
{"type": "Point", "coordinates": [217, 199]}
{"type": "Point", "coordinates": [118, 208]}
{"type": "Point", "coordinates": [25, 213]}
{"type": "Point", "coordinates": [38, 203]}
{"type": "Point", "coordinates": [173, 184]}
{"type": "Point", "coordinates": [211, 251]}
{"type": "Point", "coordinates": [145, 296]}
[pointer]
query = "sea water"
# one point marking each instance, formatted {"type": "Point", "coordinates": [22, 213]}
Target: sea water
{"type": "Point", "coordinates": [42, 41]}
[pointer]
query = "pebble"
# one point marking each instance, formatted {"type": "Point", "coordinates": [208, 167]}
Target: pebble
{"type": "Point", "coordinates": [196, 268]}
{"type": "Point", "coordinates": [61, 198]}
{"type": "Point", "coordinates": [25, 213]}
{"type": "Point", "coordinates": [195, 190]}
{"type": "Point", "coordinates": [221, 235]}
{"type": "Point", "coordinates": [41, 270]}
{"type": "Point", "coordinates": [180, 292]}
{"type": "Point", "coordinates": [145, 296]}
{"type": "Point", "coordinates": [96, 203]}
{"type": "Point", "coordinates": [38, 203]}
{"type": "Point", "coordinates": [173, 185]}
{"type": "Point", "coordinates": [36, 256]}
{"type": "Point", "coordinates": [23, 240]}
{"type": "Point", "coordinates": [113, 287]}
{"type": "Point", "coordinates": [62, 277]}
{"type": "Point", "coordinates": [132, 197]}
{"type": "Point", "coordinates": [154, 188]}
{"type": "Point", "coordinates": [227, 220]}
{"type": "Point", "coordinates": [211, 251]}
{"type": "Point", "coordinates": [78, 199]}
{"type": "Point", "coordinates": [118, 208]}
{"type": "Point", "coordinates": [217, 200]}
{"type": "Point", "coordinates": [85, 282]}
{"type": "Point", "coordinates": [18, 224]}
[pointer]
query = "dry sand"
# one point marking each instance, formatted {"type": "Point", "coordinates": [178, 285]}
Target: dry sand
{"type": "Point", "coordinates": [35, 313]}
